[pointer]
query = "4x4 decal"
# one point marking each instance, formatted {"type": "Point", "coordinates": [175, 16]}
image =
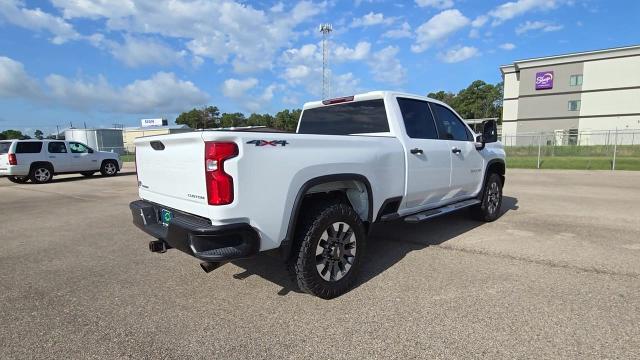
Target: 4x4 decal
{"type": "Point", "coordinates": [268, 142]}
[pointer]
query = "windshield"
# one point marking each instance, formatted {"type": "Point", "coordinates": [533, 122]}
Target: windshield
{"type": "Point", "coordinates": [4, 147]}
{"type": "Point", "coordinates": [360, 117]}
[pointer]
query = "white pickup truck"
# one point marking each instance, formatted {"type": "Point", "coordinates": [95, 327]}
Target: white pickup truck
{"type": "Point", "coordinates": [313, 195]}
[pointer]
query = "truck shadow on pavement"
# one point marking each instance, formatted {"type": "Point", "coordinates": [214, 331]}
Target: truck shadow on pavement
{"type": "Point", "coordinates": [388, 244]}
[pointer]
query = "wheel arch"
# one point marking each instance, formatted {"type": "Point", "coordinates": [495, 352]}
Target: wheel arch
{"type": "Point", "coordinates": [329, 185]}
{"type": "Point", "coordinates": [112, 160]}
{"type": "Point", "coordinates": [41, 163]}
{"type": "Point", "coordinates": [493, 166]}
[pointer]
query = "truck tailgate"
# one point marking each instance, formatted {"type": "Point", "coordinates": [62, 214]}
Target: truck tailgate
{"type": "Point", "coordinates": [171, 171]}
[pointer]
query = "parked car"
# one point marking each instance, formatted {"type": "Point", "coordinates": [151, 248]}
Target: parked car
{"type": "Point", "coordinates": [40, 160]}
{"type": "Point", "coordinates": [312, 196]}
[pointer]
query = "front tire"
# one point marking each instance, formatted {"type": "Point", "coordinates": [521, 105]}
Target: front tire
{"type": "Point", "coordinates": [489, 209]}
{"type": "Point", "coordinates": [331, 240]}
{"type": "Point", "coordinates": [109, 168]}
{"type": "Point", "coordinates": [41, 174]}
{"type": "Point", "coordinates": [18, 179]}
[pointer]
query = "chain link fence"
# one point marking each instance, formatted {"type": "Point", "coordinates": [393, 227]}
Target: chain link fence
{"type": "Point", "coordinates": [573, 149]}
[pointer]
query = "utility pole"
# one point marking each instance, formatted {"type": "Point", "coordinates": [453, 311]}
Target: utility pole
{"type": "Point", "coordinates": [57, 131]}
{"type": "Point", "coordinates": [326, 30]}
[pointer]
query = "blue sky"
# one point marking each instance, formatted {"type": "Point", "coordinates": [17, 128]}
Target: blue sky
{"type": "Point", "coordinates": [101, 62]}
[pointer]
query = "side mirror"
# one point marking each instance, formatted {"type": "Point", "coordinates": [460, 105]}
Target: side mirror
{"type": "Point", "coordinates": [90, 151]}
{"type": "Point", "coordinates": [489, 134]}
{"type": "Point", "coordinates": [489, 131]}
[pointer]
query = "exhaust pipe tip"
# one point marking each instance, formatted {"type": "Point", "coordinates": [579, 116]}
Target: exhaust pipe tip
{"type": "Point", "coordinates": [158, 246]}
{"type": "Point", "coordinates": [210, 266]}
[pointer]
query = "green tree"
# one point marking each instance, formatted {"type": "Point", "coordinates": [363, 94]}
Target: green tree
{"type": "Point", "coordinates": [287, 119]}
{"type": "Point", "coordinates": [2, 137]}
{"type": "Point", "coordinates": [478, 100]}
{"type": "Point", "coordinates": [444, 96]}
{"type": "Point", "coordinates": [260, 120]}
{"type": "Point", "coordinates": [232, 120]}
{"type": "Point", "coordinates": [13, 134]}
{"type": "Point", "coordinates": [206, 117]}
{"type": "Point", "coordinates": [38, 134]}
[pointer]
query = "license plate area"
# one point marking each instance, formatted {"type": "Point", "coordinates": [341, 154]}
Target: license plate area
{"type": "Point", "coordinates": [165, 216]}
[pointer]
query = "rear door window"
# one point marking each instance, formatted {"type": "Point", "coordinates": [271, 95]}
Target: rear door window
{"type": "Point", "coordinates": [359, 117]}
{"type": "Point", "coordinates": [57, 147]}
{"type": "Point", "coordinates": [418, 120]}
{"type": "Point", "coordinates": [4, 147]}
{"type": "Point", "coordinates": [29, 147]}
{"type": "Point", "coordinates": [450, 126]}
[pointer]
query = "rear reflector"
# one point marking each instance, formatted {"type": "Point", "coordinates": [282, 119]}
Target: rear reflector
{"type": "Point", "coordinates": [219, 183]}
{"type": "Point", "coordinates": [13, 160]}
{"type": "Point", "coordinates": [337, 100]}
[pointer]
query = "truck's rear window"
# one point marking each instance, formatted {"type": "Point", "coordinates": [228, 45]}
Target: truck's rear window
{"type": "Point", "coordinates": [359, 117]}
{"type": "Point", "coordinates": [4, 147]}
{"type": "Point", "coordinates": [30, 147]}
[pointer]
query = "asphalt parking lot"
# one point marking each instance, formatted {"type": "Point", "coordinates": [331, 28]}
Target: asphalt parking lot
{"type": "Point", "coordinates": [557, 276]}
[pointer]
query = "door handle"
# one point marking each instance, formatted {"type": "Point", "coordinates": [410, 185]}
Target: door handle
{"type": "Point", "coordinates": [52, 157]}
{"type": "Point", "coordinates": [417, 151]}
{"type": "Point", "coordinates": [456, 150]}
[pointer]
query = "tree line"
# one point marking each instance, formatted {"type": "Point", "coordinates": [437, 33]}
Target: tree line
{"type": "Point", "coordinates": [478, 100]}
{"type": "Point", "coordinates": [209, 117]}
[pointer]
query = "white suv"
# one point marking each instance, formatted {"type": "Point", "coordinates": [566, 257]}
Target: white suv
{"type": "Point", "coordinates": [39, 160]}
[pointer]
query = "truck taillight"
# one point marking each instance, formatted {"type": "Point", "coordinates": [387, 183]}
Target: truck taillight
{"type": "Point", "coordinates": [219, 183]}
{"type": "Point", "coordinates": [13, 160]}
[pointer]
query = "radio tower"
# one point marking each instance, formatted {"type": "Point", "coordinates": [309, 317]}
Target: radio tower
{"type": "Point", "coordinates": [325, 29]}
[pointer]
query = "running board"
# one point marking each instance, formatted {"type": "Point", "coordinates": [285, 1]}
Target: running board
{"type": "Point", "coordinates": [428, 214]}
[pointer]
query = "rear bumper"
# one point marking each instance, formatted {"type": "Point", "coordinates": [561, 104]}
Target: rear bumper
{"type": "Point", "coordinates": [14, 170]}
{"type": "Point", "coordinates": [196, 236]}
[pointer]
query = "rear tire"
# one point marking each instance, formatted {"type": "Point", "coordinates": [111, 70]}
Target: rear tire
{"type": "Point", "coordinates": [18, 179]}
{"type": "Point", "coordinates": [109, 168]}
{"type": "Point", "coordinates": [330, 241]}
{"type": "Point", "coordinates": [489, 209]}
{"type": "Point", "coordinates": [41, 174]}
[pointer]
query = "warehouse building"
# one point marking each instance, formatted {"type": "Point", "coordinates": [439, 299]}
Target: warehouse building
{"type": "Point", "coordinates": [132, 133]}
{"type": "Point", "coordinates": [98, 139]}
{"type": "Point", "coordinates": [594, 92]}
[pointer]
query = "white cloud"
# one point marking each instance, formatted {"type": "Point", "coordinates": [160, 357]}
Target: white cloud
{"type": "Point", "coordinates": [438, 28]}
{"type": "Point", "coordinates": [537, 25]}
{"type": "Point", "coordinates": [235, 89]}
{"type": "Point", "coordinates": [221, 30]}
{"type": "Point", "coordinates": [516, 8]}
{"type": "Point", "coordinates": [386, 67]}
{"type": "Point", "coordinates": [162, 92]}
{"type": "Point", "coordinates": [14, 12]}
{"type": "Point", "coordinates": [458, 54]}
{"type": "Point", "coordinates": [138, 51]}
{"type": "Point", "coordinates": [404, 31]}
{"type": "Point", "coordinates": [94, 9]}
{"type": "Point", "coordinates": [439, 4]}
{"type": "Point", "coordinates": [474, 33]}
{"type": "Point", "coordinates": [297, 73]}
{"type": "Point", "coordinates": [359, 52]}
{"type": "Point", "coordinates": [14, 80]}
{"type": "Point", "coordinates": [507, 46]}
{"type": "Point", "coordinates": [371, 19]}
{"type": "Point", "coordinates": [480, 21]}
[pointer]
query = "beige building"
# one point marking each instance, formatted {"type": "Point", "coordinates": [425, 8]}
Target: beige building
{"type": "Point", "coordinates": [587, 92]}
{"type": "Point", "coordinates": [130, 134]}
